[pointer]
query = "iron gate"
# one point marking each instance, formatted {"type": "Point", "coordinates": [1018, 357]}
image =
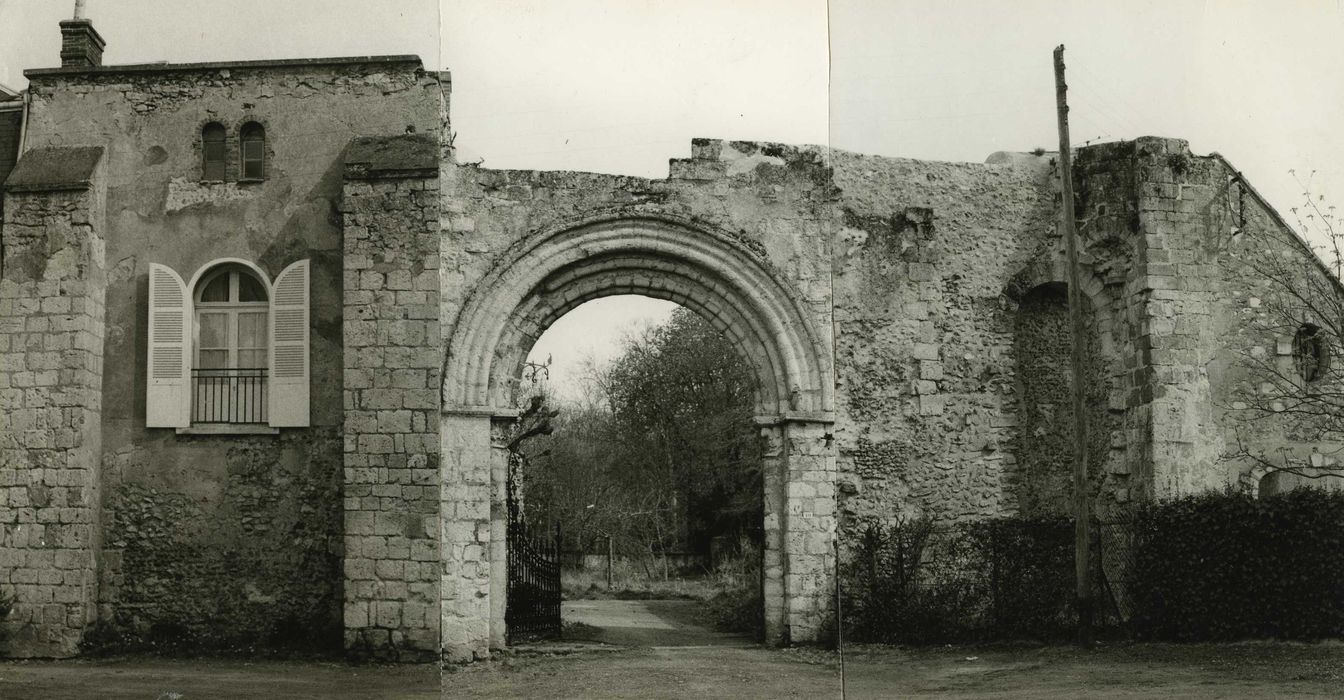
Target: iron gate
{"type": "Point", "coordinates": [533, 603]}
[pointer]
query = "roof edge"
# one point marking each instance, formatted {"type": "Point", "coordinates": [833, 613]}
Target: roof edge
{"type": "Point", "coordinates": [1283, 223]}
{"type": "Point", "coordinates": [54, 168]}
{"type": "Point", "coordinates": [219, 65]}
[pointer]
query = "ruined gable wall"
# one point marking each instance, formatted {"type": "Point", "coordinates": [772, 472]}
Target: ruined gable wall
{"type": "Point", "coordinates": [224, 539]}
{"type": "Point", "coordinates": [924, 253]}
{"type": "Point", "coordinates": [1265, 285]}
{"type": "Point", "coordinates": [1174, 240]}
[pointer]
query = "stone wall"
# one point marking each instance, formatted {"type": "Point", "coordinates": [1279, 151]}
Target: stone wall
{"type": "Point", "coordinates": [1263, 284]}
{"type": "Point", "coordinates": [1042, 479]}
{"type": "Point", "coordinates": [390, 210]}
{"type": "Point", "coordinates": [924, 256]}
{"type": "Point", "coordinates": [51, 364]}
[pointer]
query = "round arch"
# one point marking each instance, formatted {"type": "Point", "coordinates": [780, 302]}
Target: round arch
{"type": "Point", "coordinates": [710, 272]}
{"type": "Point", "coordinates": [715, 274]}
{"type": "Point", "coordinates": [218, 262]}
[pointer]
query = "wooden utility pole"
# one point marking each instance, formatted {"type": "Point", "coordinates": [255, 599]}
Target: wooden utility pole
{"type": "Point", "coordinates": [1082, 531]}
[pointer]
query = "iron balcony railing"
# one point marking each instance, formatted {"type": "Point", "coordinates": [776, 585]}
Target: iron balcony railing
{"type": "Point", "coordinates": [228, 395]}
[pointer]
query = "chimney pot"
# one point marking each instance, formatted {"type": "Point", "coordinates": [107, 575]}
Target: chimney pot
{"type": "Point", "coordinates": [81, 45]}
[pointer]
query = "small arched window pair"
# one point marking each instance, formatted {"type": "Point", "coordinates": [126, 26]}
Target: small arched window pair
{"type": "Point", "coordinates": [215, 152]}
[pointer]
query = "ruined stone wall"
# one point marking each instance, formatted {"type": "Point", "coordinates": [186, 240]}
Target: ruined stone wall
{"type": "Point", "coordinates": [1172, 241]}
{"type": "Point", "coordinates": [1042, 480]}
{"type": "Point", "coordinates": [51, 364]}
{"type": "Point", "coordinates": [391, 393]}
{"type": "Point", "coordinates": [1165, 300]}
{"type": "Point", "coordinates": [924, 256]}
{"type": "Point", "coordinates": [1266, 285]}
{"type": "Point", "coordinates": [225, 539]}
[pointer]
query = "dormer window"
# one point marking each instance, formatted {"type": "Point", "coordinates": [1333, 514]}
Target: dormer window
{"type": "Point", "coordinates": [214, 152]}
{"type": "Point", "coordinates": [252, 147]}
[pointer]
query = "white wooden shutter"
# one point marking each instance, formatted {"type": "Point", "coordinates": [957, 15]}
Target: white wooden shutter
{"type": "Point", "coordinates": [168, 383]}
{"type": "Point", "coordinates": [288, 402]}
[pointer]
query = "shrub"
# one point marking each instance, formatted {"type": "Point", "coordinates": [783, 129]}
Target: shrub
{"type": "Point", "coordinates": [1222, 566]}
{"type": "Point", "coordinates": [1215, 566]}
{"type": "Point", "coordinates": [914, 582]}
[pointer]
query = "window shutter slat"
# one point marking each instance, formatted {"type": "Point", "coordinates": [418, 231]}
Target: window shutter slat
{"type": "Point", "coordinates": [288, 400]}
{"type": "Point", "coordinates": [168, 386]}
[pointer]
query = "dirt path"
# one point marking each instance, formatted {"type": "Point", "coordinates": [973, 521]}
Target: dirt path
{"type": "Point", "coordinates": [644, 623]}
{"type": "Point", "coordinates": [656, 649]}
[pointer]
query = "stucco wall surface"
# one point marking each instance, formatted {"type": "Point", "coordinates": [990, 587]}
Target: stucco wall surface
{"type": "Point", "coordinates": [266, 509]}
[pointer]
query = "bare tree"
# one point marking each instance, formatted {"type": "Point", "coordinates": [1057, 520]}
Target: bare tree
{"type": "Point", "coordinates": [664, 457]}
{"type": "Point", "coordinates": [1296, 393]}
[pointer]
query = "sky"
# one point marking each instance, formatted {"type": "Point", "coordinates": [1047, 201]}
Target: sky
{"type": "Point", "coordinates": [621, 86]}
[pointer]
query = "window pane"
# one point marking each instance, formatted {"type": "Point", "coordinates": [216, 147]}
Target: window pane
{"type": "Point", "coordinates": [255, 359]}
{"type": "Point", "coordinates": [213, 152]}
{"type": "Point", "coordinates": [214, 164]}
{"type": "Point", "coordinates": [214, 330]}
{"type": "Point", "coordinates": [253, 150]}
{"type": "Point", "coordinates": [217, 289]}
{"type": "Point", "coordinates": [214, 359]}
{"type": "Point", "coordinates": [252, 330]}
{"type": "Point", "coordinates": [250, 289]}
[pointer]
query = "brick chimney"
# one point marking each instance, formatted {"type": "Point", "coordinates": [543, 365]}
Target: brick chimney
{"type": "Point", "coordinates": [81, 45]}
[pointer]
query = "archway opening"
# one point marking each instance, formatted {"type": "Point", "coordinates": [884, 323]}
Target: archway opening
{"type": "Point", "coordinates": [724, 278]}
{"type": "Point", "coordinates": [645, 458]}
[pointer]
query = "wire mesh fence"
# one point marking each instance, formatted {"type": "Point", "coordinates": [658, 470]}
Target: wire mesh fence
{"type": "Point", "coordinates": [917, 582]}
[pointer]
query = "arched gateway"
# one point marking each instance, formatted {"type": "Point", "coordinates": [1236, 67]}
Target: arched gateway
{"type": "Point", "coordinates": [544, 276]}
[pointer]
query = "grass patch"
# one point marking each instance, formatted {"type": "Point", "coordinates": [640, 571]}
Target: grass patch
{"type": "Point", "coordinates": [630, 581]}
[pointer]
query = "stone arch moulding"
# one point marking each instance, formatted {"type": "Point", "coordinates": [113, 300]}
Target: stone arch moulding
{"type": "Point", "coordinates": [710, 272]}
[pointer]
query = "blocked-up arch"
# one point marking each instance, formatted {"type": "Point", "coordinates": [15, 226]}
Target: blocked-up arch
{"type": "Point", "coordinates": [709, 272]}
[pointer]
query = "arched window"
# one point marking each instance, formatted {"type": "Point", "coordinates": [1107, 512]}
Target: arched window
{"type": "Point", "coordinates": [1311, 354]}
{"type": "Point", "coordinates": [214, 154]}
{"type": "Point", "coordinates": [229, 369]}
{"type": "Point", "coordinates": [253, 151]}
{"type": "Point", "coordinates": [229, 346]}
